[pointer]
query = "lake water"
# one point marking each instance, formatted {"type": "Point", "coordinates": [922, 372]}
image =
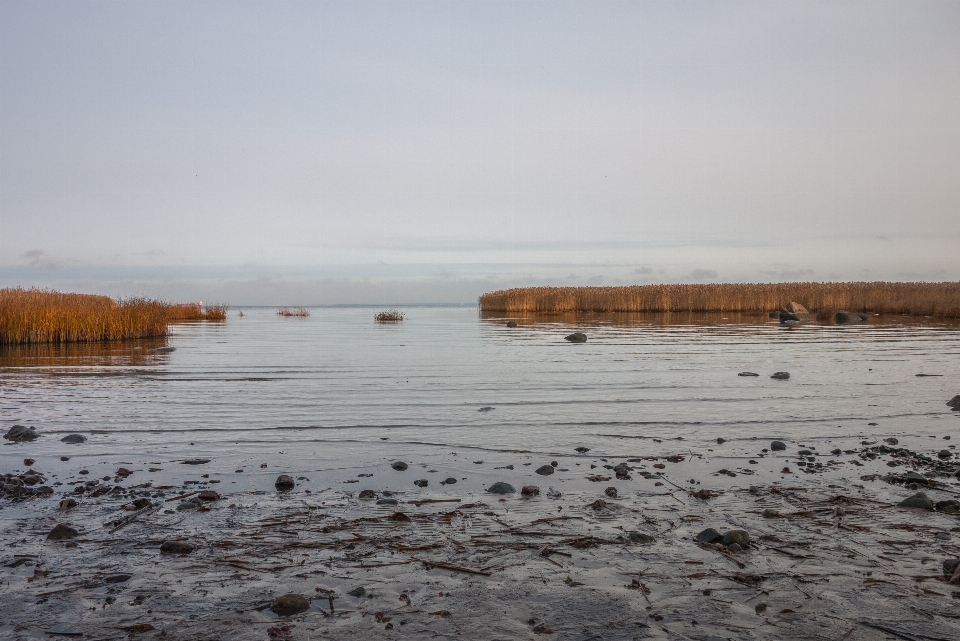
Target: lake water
{"type": "Point", "coordinates": [339, 389]}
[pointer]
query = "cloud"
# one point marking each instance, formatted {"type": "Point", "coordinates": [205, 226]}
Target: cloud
{"type": "Point", "coordinates": [37, 258]}
{"type": "Point", "coordinates": [703, 274]}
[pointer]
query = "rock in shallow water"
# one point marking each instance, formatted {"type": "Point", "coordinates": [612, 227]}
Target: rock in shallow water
{"type": "Point", "coordinates": [576, 337]}
{"type": "Point", "coordinates": [73, 438]}
{"type": "Point", "coordinates": [738, 537]}
{"type": "Point", "coordinates": [177, 547]}
{"type": "Point", "coordinates": [357, 592]}
{"type": "Point", "coordinates": [421, 482]}
{"type": "Point", "coordinates": [778, 446]}
{"type": "Point", "coordinates": [780, 376]}
{"type": "Point", "coordinates": [501, 488]}
{"type": "Point", "coordinates": [530, 490]}
{"type": "Point", "coordinates": [708, 536]}
{"type": "Point", "coordinates": [284, 482]}
{"type": "Point", "coordinates": [399, 466]}
{"type": "Point", "coordinates": [545, 470]}
{"type": "Point", "coordinates": [290, 604]}
{"type": "Point", "coordinates": [21, 434]}
{"type": "Point", "coordinates": [62, 533]}
{"type": "Point", "coordinates": [747, 374]}
{"type": "Point", "coordinates": [368, 494]}
{"type": "Point", "coordinates": [919, 500]}
{"type": "Point", "coordinates": [641, 538]}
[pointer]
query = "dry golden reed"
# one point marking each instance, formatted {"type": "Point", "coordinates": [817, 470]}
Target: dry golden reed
{"type": "Point", "coordinates": [43, 316]}
{"type": "Point", "coordinates": [927, 299]}
{"type": "Point", "coordinates": [293, 311]}
{"type": "Point", "coordinates": [389, 316]}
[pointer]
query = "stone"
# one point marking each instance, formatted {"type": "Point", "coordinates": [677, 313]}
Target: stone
{"type": "Point", "coordinates": [774, 315]}
{"type": "Point", "coordinates": [449, 481]}
{"type": "Point", "coordinates": [891, 441]}
{"type": "Point", "coordinates": [778, 446]}
{"type": "Point", "coordinates": [399, 466]}
{"type": "Point", "coordinates": [177, 547]}
{"type": "Point", "coordinates": [770, 514]}
{"type": "Point", "coordinates": [387, 502]}
{"type": "Point", "coordinates": [118, 578]}
{"type": "Point", "coordinates": [611, 492]}
{"type": "Point", "coordinates": [530, 490]}
{"type": "Point", "coordinates": [501, 488]}
{"type": "Point", "coordinates": [582, 450]}
{"type": "Point", "coordinates": [189, 504]}
{"type": "Point", "coordinates": [599, 504]}
{"type": "Point", "coordinates": [66, 504]}
{"type": "Point", "coordinates": [950, 506]}
{"type": "Point", "coordinates": [399, 517]}
{"type": "Point", "coordinates": [368, 494]}
{"type": "Point", "coordinates": [196, 461]}
{"type": "Point", "coordinates": [421, 482]}
{"type": "Point", "coordinates": [545, 470]}
{"type": "Point", "coordinates": [21, 434]}
{"type": "Point", "coordinates": [780, 376]}
{"type": "Point", "coordinates": [124, 472]}
{"type": "Point", "coordinates": [739, 537]}
{"type": "Point", "coordinates": [357, 592]}
{"type": "Point", "coordinates": [28, 462]}
{"type": "Point", "coordinates": [208, 495]}
{"type": "Point", "coordinates": [747, 374]}
{"type": "Point", "coordinates": [62, 533]}
{"type": "Point", "coordinates": [919, 500]}
{"type": "Point", "coordinates": [576, 337]}
{"type": "Point", "coordinates": [708, 536]}
{"type": "Point", "coordinates": [284, 482]}
{"type": "Point", "coordinates": [804, 453]}
{"type": "Point", "coordinates": [944, 454]}
{"type": "Point", "coordinates": [290, 604]}
{"type": "Point", "coordinates": [511, 323]}
{"type": "Point", "coordinates": [793, 311]}
{"type": "Point", "coordinates": [721, 440]}
{"type": "Point", "coordinates": [641, 538]}
{"type": "Point", "coordinates": [950, 568]}
{"type": "Point", "coordinates": [953, 402]}
{"type": "Point", "coordinates": [846, 318]}
{"type": "Point", "coordinates": [73, 438]}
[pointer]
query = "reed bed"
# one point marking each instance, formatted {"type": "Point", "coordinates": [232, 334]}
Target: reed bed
{"type": "Point", "coordinates": [293, 311]}
{"type": "Point", "coordinates": [926, 299]}
{"type": "Point", "coordinates": [41, 316]}
{"type": "Point", "coordinates": [389, 316]}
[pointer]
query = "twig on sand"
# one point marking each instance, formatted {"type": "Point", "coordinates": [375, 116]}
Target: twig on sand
{"type": "Point", "coordinates": [450, 566]}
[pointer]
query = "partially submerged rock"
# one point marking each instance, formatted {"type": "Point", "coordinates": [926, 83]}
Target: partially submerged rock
{"type": "Point", "coordinates": [708, 536]}
{"type": "Point", "coordinates": [290, 604]}
{"type": "Point", "coordinates": [511, 323]}
{"type": "Point", "coordinates": [501, 488]}
{"type": "Point", "coordinates": [846, 318]}
{"type": "Point", "coordinates": [640, 538]}
{"type": "Point", "coordinates": [793, 311]}
{"type": "Point", "coordinates": [611, 492]}
{"type": "Point", "coordinates": [368, 494]}
{"type": "Point", "coordinates": [530, 490]}
{"type": "Point", "coordinates": [21, 434]}
{"type": "Point", "coordinates": [582, 450]}
{"type": "Point", "coordinates": [421, 482]}
{"type": "Point", "coordinates": [196, 461]}
{"type": "Point", "coordinates": [748, 374]}
{"type": "Point", "coordinates": [284, 482]}
{"type": "Point", "coordinates": [74, 438]}
{"type": "Point", "coordinates": [576, 337]}
{"type": "Point", "coordinates": [61, 533]}
{"type": "Point", "coordinates": [953, 402]}
{"type": "Point", "coordinates": [177, 547]}
{"type": "Point", "coordinates": [778, 446]}
{"type": "Point", "coordinates": [399, 466]}
{"type": "Point", "coordinates": [919, 501]}
{"type": "Point", "coordinates": [545, 470]}
{"type": "Point", "coordinates": [738, 537]}
{"type": "Point", "coordinates": [780, 376]}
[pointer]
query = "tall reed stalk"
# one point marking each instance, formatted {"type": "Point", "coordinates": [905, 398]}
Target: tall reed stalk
{"type": "Point", "coordinates": [927, 299]}
{"type": "Point", "coordinates": [43, 316]}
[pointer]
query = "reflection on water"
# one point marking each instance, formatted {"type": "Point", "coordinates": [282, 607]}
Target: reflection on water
{"type": "Point", "coordinates": [338, 383]}
{"type": "Point", "coordinates": [127, 353]}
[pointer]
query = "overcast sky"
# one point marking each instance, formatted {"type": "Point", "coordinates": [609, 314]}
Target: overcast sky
{"type": "Point", "coordinates": [285, 153]}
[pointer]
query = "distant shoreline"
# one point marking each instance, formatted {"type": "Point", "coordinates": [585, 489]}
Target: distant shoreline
{"type": "Point", "coordinates": [941, 300]}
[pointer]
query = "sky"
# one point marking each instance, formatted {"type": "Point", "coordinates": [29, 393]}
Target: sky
{"type": "Point", "coordinates": [420, 152]}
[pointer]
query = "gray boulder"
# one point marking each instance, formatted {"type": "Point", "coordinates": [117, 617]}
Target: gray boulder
{"type": "Point", "coordinates": [501, 488]}
{"type": "Point", "coordinates": [73, 438]}
{"type": "Point", "coordinates": [21, 434]}
{"type": "Point", "coordinates": [708, 536]}
{"type": "Point", "coordinates": [778, 446]}
{"type": "Point", "coordinates": [740, 537]}
{"type": "Point", "coordinates": [847, 318]}
{"type": "Point", "coordinates": [919, 500]}
{"type": "Point", "coordinates": [953, 402]}
{"type": "Point", "coordinates": [545, 470]}
{"type": "Point", "coordinates": [795, 312]}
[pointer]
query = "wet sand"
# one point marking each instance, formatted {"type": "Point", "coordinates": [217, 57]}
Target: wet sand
{"type": "Point", "coordinates": [839, 560]}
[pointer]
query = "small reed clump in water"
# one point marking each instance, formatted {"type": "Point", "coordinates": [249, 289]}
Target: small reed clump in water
{"type": "Point", "coordinates": [389, 316]}
{"type": "Point", "coordinates": [42, 316]}
{"type": "Point", "coordinates": [293, 311]}
{"type": "Point", "coordinates": [928, 299]}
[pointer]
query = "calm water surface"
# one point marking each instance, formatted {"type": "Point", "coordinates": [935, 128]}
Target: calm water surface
{"type": "Point", "coordinates": [339, 387]}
